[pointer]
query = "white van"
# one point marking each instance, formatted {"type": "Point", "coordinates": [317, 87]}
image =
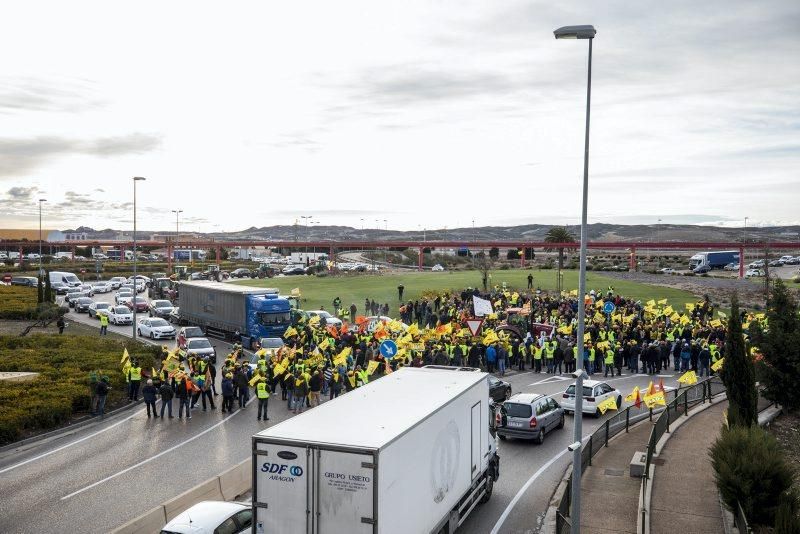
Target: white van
{"type": "Point", "coordinates": [65, 278]}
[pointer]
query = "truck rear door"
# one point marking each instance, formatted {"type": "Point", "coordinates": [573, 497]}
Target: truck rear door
{"type": "Point", "coordinates": [345, 498]}
{"type": "Point", "coordinates": [281, 489]}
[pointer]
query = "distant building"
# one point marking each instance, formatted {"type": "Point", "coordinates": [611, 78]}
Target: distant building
{"type": "Point", "coordinates": [76, 236]}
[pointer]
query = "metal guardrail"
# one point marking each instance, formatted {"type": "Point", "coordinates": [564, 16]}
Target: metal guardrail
{"type": "Point", "coordinates": [740, 520]}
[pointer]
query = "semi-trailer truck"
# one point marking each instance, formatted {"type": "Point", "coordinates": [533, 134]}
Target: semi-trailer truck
{"type": "Point", "coordinates": [226, 309]}
{"type": "Point", "coordinates": [414, 451]}
{"type": "Point", "coordinates": [714, 259]}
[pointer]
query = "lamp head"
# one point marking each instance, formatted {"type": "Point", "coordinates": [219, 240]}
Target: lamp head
{"type": "Point", "coordinates": [584, 31]}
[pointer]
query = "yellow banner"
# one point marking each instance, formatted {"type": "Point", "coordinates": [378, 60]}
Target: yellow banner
{"type": "Point", "coordinates": [717, 365]}
{"type": "Point", "coordinates": [656, 399]}
{"type": "Point", "coordinates": [662, 302]}
{"type": "Point", "coordinates": [668, 310]}
{"type": "Point", "coordinates": [371, 366]}
{"type": "Point", "coordinates": [632, 396]}
{"type": "Point", "coordinates": [125, 357]}
{"type": "Point", "coordinates": [608, 404]}
{"type": "Point", "coordinates": [688, 378]}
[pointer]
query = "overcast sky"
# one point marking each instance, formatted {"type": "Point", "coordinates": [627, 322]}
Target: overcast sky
{"type": "Point", "coordinates": [423, 113]}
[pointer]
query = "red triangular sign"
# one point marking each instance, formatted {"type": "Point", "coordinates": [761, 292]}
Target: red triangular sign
{"type": "Point", "coordinates": [474, 325]}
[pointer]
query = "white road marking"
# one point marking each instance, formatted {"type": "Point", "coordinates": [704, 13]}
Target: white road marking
{"type": "Point", "coordinates": [29, 460]}
{"type": "Point", "coordinates": [551, 379]}
{"type": "Point", "coordinates": [523, 489]}
{"type": "Point", "coordinates": [147, 460]}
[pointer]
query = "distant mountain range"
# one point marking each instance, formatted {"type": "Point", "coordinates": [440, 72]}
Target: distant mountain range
{"type": "Point", "coordinates": [530, 232]}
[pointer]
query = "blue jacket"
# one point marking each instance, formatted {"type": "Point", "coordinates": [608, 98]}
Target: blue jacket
{"type": "Point", "coordinates": [491, 354]}
{"type": "Point", "coordinates": [227, 387]}
{"type": "Point", "coordinates": [149, 393]}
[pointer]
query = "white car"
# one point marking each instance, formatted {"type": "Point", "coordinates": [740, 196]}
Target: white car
{"type": "Point", "coordinates": [330, 320]}
{"type": "Point", "coordinates": [96, 309]}
{"type": "Point", "coordinates": [437, 268]}
{"type": "Point", "coordinates": [753, 272]}
{"type": "Point", "coordinates": [102, 287]}
{"type": "Point", "coordinates": [667, 270]}
{"type": "Point", "coordinates": [120, 315]}
{"type": "Point", "coordinates": [212, 517]}
{"type": "Point", "coordinates": [756, 264]}
{"type": "Point", "coordinates": [156, 329]}
{"type": "Point", "coordinates": [117, 282]}
{"type": "Point", "coordinates": [594, 393]}
{"type": "Point", "coordinates": [123, 297]}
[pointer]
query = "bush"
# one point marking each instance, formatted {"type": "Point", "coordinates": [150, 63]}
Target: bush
{"type": "Point", "coordinates": [18, 302]}
{"type": "Point", "coordinates": [750, 469]}
{"type": "Point", "coordinates": [62, 387]}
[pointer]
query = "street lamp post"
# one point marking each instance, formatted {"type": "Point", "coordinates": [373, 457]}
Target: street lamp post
{"type": "Point", "coordinates": [135, 179]}
{"type": "Point", "coordinates": [41, 272]}
{"type": "Point", "coordinates": [177, 231]}
{"type": "Point", "coordinates": [580, 32]}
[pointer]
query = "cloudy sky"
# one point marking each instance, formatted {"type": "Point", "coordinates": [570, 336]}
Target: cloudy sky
{"type": "Point", "coordinates": [424, 113]}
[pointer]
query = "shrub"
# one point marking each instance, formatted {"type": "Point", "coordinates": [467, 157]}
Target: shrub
{"type": "Point", "coordinates": [18, 302]}
{"type": "Point", "coordinates": [61, 389]}
{"type": "Point", "coordinates": [750, 469]}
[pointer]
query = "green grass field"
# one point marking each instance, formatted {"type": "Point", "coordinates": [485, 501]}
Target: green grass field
{"type": "Point", "coordinates": [317, 292]}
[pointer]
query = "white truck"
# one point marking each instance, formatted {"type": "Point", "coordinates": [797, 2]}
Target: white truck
{"type": "Point", "coordinates": [414, 451]}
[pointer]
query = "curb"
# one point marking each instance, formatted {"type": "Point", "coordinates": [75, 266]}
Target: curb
{"type": "Point", "coordinates": [66, 430]}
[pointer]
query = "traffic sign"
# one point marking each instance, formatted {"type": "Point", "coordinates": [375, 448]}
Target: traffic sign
{"type": "Point", "coordinates": [474, 324]}
{"type": "Point", "coordinates": [609, 307]}
{"type": "Point", "coordinates": [388, 349]}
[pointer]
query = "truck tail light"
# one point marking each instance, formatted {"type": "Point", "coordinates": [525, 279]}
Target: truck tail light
{"type": "Point", "coordinates": [533, 422]}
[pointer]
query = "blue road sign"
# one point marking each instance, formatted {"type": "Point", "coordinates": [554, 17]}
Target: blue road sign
{"type": "Point", "coordinates": [609, 307]}
{"type": "Point", "coordinates": [388, 349]}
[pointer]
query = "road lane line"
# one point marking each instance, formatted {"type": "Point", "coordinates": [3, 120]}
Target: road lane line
{"type": "Point", "coordinates": [147, 460]}
{"type": "Point", "coordinates": [29, 460]}
{"type": "Point", "coordinates": [523, 489]}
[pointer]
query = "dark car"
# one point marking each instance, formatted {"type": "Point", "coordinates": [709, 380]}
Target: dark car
{"type": "Point", "coordinates": [290, 271]}
{"type": "Point", "coordinates": [31, 281]}
{"type": "Point", "coordinates": [82, 304]}
{"type": "Point", "coordinates": [529, 416]}
{"type": "Point", "coordinates": [241, 273]}
{"type": "Point", "coordinates": [60, 288]}
{"type": "Point", "coordinates": [702, 269]}
{"type": "Point", "coordinates": [498, 389]}
{"type": "Point", "coordinates": [141, 304]}
{"type": "Point", "coordinates": [160, 308]}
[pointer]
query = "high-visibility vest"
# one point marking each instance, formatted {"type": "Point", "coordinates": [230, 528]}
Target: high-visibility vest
{"type": "Point", "coordinates": [464, 350]}
{"type": "Point", "coordinates": [575, 352]}
{"type": "Point", "coordinates": [136, 373]}
{"type": "Point", "coordinates": [261, 390]}
{"type": "Point", "coordinates": [670, 336]}
{"type": "Point", "coordinates": [609, 357]}
{"type": "Point", "coordinates": [591, 354]}
{"type": "Point", "coordinates": [103, 320]}
{"type": "Point", "coordinates": [602, 335]}
{"type": "Point", "coordinates": [537, 354]}
{"type": "Point", "coordinates": [550, 350]}
{"type": "Point", "coordinates": [611, 337]}
{"type": "Point", "coordinates": [262, 363]}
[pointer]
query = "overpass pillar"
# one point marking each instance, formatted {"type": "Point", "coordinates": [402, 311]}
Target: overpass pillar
{"type": "Point", "coordinates": [420, 258]}
{"type": "Point", "coordinates": [73, 252]}
{"type": "Point", "coordinates": [522, 257]}
{"type": "Point", "coordinates": [169, 259]}
{"type": "Point", "coordinates": [218, 251]}
{"type": "Point", "coordinates": [332, 255]}
{"type": "Point", "coordinates": [632, 263]}
{"type": "Point", "coordinates": [122, 253]}
{"type": "Point", "coordinates": [741, 262]}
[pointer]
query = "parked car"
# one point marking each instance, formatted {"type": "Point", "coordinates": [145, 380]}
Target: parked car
{"type": "Point", "coordinates": [60, 288]}
{"type": "Point", "coordinates": [175, 316]}
{"type": "Point", "coordinates": [594, 393]}
{"type": "Point", "coordinates": [99, 308]}
{"type": "Point", "coordinates": [330, 320]}
{"type": "Point", "coordinates": [72, 296]}
{"type": "Point", "coordinates": [529, 416]}
{"type": "Point", "coordinates": [499, 390]}
{"type": "Point", "coordinates": [215, 517]}
{"type": "Point", "coordinates": [189, 332]}
{"type": "Point", "coordinates": [88, 289]}
{"type": "Point", "coordinates": [123, 297]}
{"type": "Point", "coordinates": [202, 347]}
{"type": "Point", "coordinates": [120, 315]}
{"type": "Point", "coordinates": [102, 287]}
{"type": "Point", "coordinates": [756, 264]}
{"type": "Point", "coordinates": [776, 263]}
{"type": "Point", "coordinates": [437, 268]}
{"type": "Point", "coordinates": [701, 269]}
{"type": "Point", "coordinates": [117, 282]}
{"type": "Point", "coordinates": [160, 308]}
{"type": "Point", "coordinates": [753, 272]}
{"type": "Point", "coordinates": [667, 270]}
{"type": "Point", "coordinates": [140, 303]}
{"type": "Point", "coordinates": [241, 273]}
{"type": "Point", "coordinates": [793, 261]}
{"type": "Point", "coordinates": [155, 328]}
{"type": "Point", "coordinates": [290, 270]}
{"type": "Point", "coordinates": [31, 281]}
{"type": "Point", "coordinates": [731, 267]}
{"type": "Point", "coordinates": [82, 304]}
{"type": "Point", "coordinates": [786, 258]}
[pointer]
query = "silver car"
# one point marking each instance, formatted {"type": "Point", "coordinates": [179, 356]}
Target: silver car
{"type": "Point", "coordinates": [529, 416]}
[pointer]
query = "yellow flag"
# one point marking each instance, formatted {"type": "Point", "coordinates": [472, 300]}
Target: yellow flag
{"type": "Point", "coordinates": [255, 379]}
{"type": "Point", "coordinates": [413, 329]}
{"type": "Point", "coordinates": [323, 344]}
{"type": "Point", "coordinates": [153, 373]}
{"type": "Point", "coordinates": [668, 310]}
{"type": "Point", "coordinates": [290, 332]}
{"type": "Point", "coordinates": [717, 365]}
{"type": "Point", "coordinates": [314, 321]}
{"type": "Point", "coordinates": [716, 323]}
{"type": "Point", "coordinates": [662, 302]}
{"type": "Point", "coordinates": [650, 303]}
{"type": "Point", "coordinates": [371, 366]}
{"type": "Point", "coordinates": [608, 404]}
{"type": "Point", "coordinates": [656, 399]}
{"type": "Point", "coordinates": [688, 378]}
{"type": "Point", "coordinates": [125, 357]}
{"type": "Point", "coordinates": [490, 337]}
{"type": "Point", "coordinates": [632, 396]}
{"type": "Point", "coordinates": [280, 368]}
{"type": "Point", "coordinates": [125, 368]}
{"type": "Point", "coordinates": [650, 389]}
{"type": "Point", "coordinates": [587, 337]}
{"type": "Point", "coordinates": [685, 320]}
{"type": "Point", "coordinates": [689, 306]}
{"type": "Point", "coordinates": [675, 317]}
{"type": "Point", "coordinates": [573, 293]}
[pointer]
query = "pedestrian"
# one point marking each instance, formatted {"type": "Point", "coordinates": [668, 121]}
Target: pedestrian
{"type": "Point", "coordinates": [61, 324]}
{"type": "Point", "coordinates": [288, 387]}
{"type": "Point", "coordinates": [166, 398]}
{"type": "Point", "coordinates": [299, 394]}
{"type": "Point", "coordinates": [241, 381]}
{"type": "Point", "coordinates": [704, 358]}
{"type": "Point", "coordinates": [134, 381]}
{"type": "Point", "coordinates": [93, 380]}
{"type": "Point", "coordinates": [184, 392]}
{"type": "Point", "coordinates": [103, 324]}
{"type": "Point", "coordinates": [102, 392]}
{"type": "Point", "coordinates": [686, 353]}
{"type": "Point", "coordinates": [335, 385]}
{"type": "Point", "coordinates": [227, 393]}
{"type": "Point", "coordinates": [530, 281]}
{"type": "Point", "coordinates": [314, 388]}
{"type": "Point", "coordinates": [502, 359]}
{"type": "Point", "coordinates": [400, 290]}
{"type": "Point", "coordinates": [491, 358]}
{"type": "Point", "coordinates": [262, 392]}
{"type": "Point", "coordinates": [149, 392]}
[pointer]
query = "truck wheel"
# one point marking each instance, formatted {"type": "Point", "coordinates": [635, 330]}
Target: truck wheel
{"type": "Point", "coordinates": [489, 488]}
{"type": "Point", "coordinates": [540, 436]}
{"type": "Point", "coordinates": [502, 437]}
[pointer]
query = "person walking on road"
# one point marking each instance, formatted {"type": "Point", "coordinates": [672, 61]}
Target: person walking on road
{"type": "Point", "coordinates": [134, 380]}
{"type": "Point", "coordinates": [166, 398]}
{"type": "Point", "coordinates": [227, 393]}
{"type": "Point", "coordinates": [262, 392]}
{"type": "Point", "coordinates": [103, 324]}
{"type": "Point", "coordinates": [149, 395]}
{"type": "Point", "coordinates": [315, 386]}
{"type": "Point", "coordinates": [101, 390]}
{"type": "Point", "coordinates": [241, 381]}
{"type": "Point", "coordinates": [184, 392]}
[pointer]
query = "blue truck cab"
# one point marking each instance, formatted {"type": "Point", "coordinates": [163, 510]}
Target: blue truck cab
{"type": "Point", "coordinates": [268, 315]}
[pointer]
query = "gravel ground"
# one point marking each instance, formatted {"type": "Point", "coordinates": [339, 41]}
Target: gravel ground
{"type": "Point", "coordinates": [786, 429]}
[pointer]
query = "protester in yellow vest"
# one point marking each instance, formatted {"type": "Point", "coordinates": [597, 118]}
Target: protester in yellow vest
{"type": "Point", "coordinates": [262, 392]}
{"type": "Point", "coordinates": [134, 381]}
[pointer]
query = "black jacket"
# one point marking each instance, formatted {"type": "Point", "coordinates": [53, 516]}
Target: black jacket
{"type": "Point", "coordinates": [166, 392]}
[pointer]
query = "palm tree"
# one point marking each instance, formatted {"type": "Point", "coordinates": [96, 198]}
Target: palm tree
{"type": "Point", "coordinates": [559, 234]}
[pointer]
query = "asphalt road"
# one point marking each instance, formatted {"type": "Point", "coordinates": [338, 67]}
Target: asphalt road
{"type": "Point", "coordinates": [106, 473]}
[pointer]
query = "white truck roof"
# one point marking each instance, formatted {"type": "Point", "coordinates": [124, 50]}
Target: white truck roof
{"type": "Point", "coordinates": [374, 415]}
{"type": "Point", "coordinates": [232, 288]}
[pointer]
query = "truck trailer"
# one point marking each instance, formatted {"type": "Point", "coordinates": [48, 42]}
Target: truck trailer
{"type": "Point", "coordinates": [714, 259]}
{"type": "Point", "coordinates": [414, 451]}
{"type": "Point", "coordinates": [225, 309]}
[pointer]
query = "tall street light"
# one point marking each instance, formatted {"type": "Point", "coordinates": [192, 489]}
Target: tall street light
{"type": "Point", "coordinates": [135, 179]}
{"type": "Point", "coordinates": [41, 272]}
{"type": "Point", "coordinates": [580, 32]}
{"type": "Point", "coordinates": [177, 214]}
